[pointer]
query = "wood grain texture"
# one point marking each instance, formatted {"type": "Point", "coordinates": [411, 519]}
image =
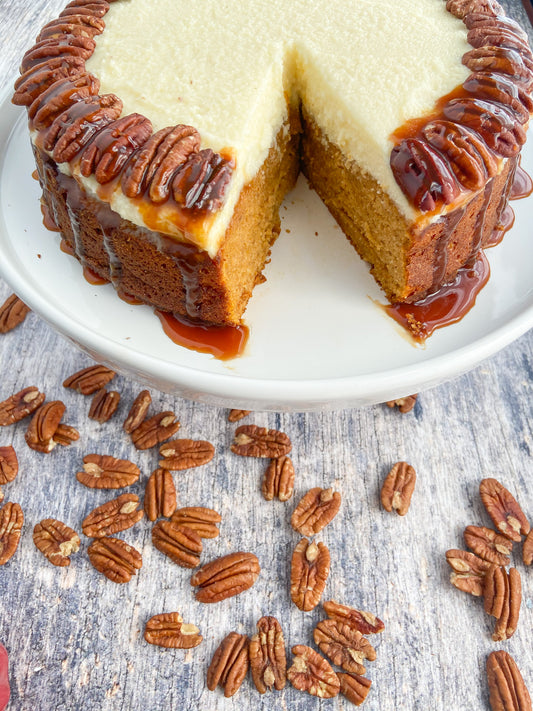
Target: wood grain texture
{"type": "Point", "coordinates": [75, 638]}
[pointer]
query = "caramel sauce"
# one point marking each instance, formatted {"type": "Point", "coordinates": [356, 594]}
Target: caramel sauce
{"type": "Point", "coordinates": [412, 128]}
{"type": "Point", "coordinates": [223, 342]}
{"type": "Point", "coordinates": [35, 174]}
{"type": "Point", "coordinates": [48, 220]}
{"type": "Point", "coordinates": [93, 278]}
{"type": "Point", "coordinates": [522, 185]}
{"type": "Point", "coordinates": [132, 300]}
{"type": "Point", "coordinates": [66, 247]}
{"type": "Point", "coordinates": [446, 306]}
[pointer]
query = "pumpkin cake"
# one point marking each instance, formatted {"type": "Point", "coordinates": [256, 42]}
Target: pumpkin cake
{"type": "Point", "coordinates": [167, 133]}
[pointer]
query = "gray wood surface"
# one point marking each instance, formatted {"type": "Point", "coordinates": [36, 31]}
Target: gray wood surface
{"type": "Point", "coordinates": [75, 638]}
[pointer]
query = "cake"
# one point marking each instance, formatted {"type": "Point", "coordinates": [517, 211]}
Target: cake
{"type": "Point", "coordinates": [167, 133]}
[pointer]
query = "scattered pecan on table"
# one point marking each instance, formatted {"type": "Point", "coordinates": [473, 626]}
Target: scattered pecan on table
{"type": "Point", "coordinates": [503, 509]}
{"type": "Point", "coordinates": [254, 441]}
{"type": "Point", "coordinates": [278, 480]}
{"type": "Point", "coordinates": [309, 573]}
{"type": "Point", "coordinates": [168, 630]}
{"type": "Point", "coordinates": [181, 544]}
{"type": "Point", "coordinates": [202, 520]}
{"type": "Point", "coordinates": [315, 510]}
{"type": "Point", "coordinates": [20, 405]}
{"type": "Point", "coordinates": [88, 380]}
{"type": "Point", "coordinates": [12, 313]}
{"type": "Point", "coordinates": [268, 660]}
{"type": "Point", "coordinates": [312, 673]}
{"type": "Point", "coordinates": [226, 576]}
{"type": "Point", "coordinates": [230, 664]}
{"type": "Point", "coordinates": [398, 487]}
{"type": "Point", "coordinates": [507, 689]}
{"type": "Point", "coordinates": [56, 541]}
{"type": "Point", "coordinates": [159, 495]}
{"type": "Point", "coordinates": [102, 471]}
{"type": "Point", "coordinates": [180, 454]}
{"type": "Point", "coordinates": [113, 516]}
{"type": "Point", "coordinates": [11, 521]}
{"type": "Point", "coordinates": [114, 558]}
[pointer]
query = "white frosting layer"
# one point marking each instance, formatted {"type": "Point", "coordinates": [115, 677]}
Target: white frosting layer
{"type": "Point", "coordinates": [227, 67]}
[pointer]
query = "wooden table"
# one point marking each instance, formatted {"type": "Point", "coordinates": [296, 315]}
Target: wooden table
{"type": "Point", "coordinates": [76, 639]}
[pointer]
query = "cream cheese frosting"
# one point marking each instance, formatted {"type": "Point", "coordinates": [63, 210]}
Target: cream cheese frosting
{"type": "Point", "coordinates": [361, 69]}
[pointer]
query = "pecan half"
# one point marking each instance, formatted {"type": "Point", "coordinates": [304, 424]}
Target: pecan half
{"type": "Point", "coordinates": [268, 659]}
{"type": "Point", "coordinates": [114, 558]}
{"type": "Point", "coordinates": [344, 645]}
{"type": "Point", "coordinates": [503, 509]}
{"type": "Point", "coordinates": [138, 411]}
{"type": "Point", "coordinates": [200, 183]}
{"type": "Point", "coordinates": [254, 441]}
{"type": "Point", "coordinates": [160, 495]}
{"type": "Point", "coordinates": [499, 88]}
{"type": "Point", "coordinates": [203, 521]}
{"type": "Point", "coordinates": [468, 571]}
{"type": "Point", "coordinates": [398, 487]}
{"type": "Point", "coordinates": [404, 404]}
{"type": "Point", "coordinates": [9, 465]}
{"type": "Point", "coordinates": [104, 405]}
{"type": "Point", "coordinates": [12, 313]}
{"type": "Point", "coordinates": [461, 8]}
{"type": "Point", "coordinates": [182, 454]}
{"type": "Point", "coordinates": [61, 96]}
{"type": "Point", "coordinates": [506, 62]}
{"type": "Point", "coordinates": [152, 167]}
{"type": "Point", "coordinates": [43, 426]}
{"type": "Point", "coordinates": [101, 471]}
{"type": "Point", "coordinates": [168, 630]}
{"type": "Point", "coordinates": [497, 127]}
{"type": "Point", "coordinates": [354, 687]}
{"type": "Point", "coordinates": [423, 174]}
{"type": "Point", "coordinates": [312, 673]}
{"type": "Point", "coordinates": [494, 590]}
{"type": "Point", "coordinates": [507, 689]}
{"type": "Point", "coordinates": [56, 541]}
{"type": "Point", "coordinates": [88, 380]}
{"type": "Point", "coordinates": [527, 550]}
{"type": "Point", "coordinates": [226, 576]}
{"type": "Point", "coordinates": [20, 405]}
{"type": "Point", "coordinates": [489, 545]}
{"type": "Point", "coordinates": [236, 415]}
{"type": "Point", "coordinates": [309, 573]}
{"type": "Point", "coordinates": [65, 435]}
{"type": "Point", "coordinates": [315, 510]}
{"type": "Point", "coordinates": [278, 480]}
{"type": "Point", "coordinates": [113, 516]}
{"type": "Point", "coordinates": [48, 49]}
{"type": "Point", "coordinates": [364, 622]}
{"type": "Point", "coordinates": [181, 544]}
{"type": "Point", "coordinates": [512, 599]}
{"type": "Point", "coordinates": [109, 150]}
{"type": "Point", "coordinates": [11, 520]}
{"type": "Point", "coordinates": [229, 664]}
{"type": "Point", "coordinates": [37, 79]}
{"type": "Point", "coordinates": [155, 430]}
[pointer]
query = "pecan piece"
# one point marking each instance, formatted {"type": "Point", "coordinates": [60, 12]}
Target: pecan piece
{"type": "Point", "coordinates": [236, 415]}
{"type": "Point", "coordinates": [101, 471]}
{"type": "Point", "coordinates": [404, 404]}
{"type": "Point", "coordinates": [43, 426]}
{"type": "Point", "coordinates": [354, 687]}
{"type": "Point", "coordinates": [527, 550]}
{"type": "Point", "coordinates": [468, 571]}
{"type": "Point", "coordinates": [88, 380]}
{"type": "Point", "coordinates": [168, 630]}
{"type": "Point", "coordinates": [315, 510]}
{"type": "Point", "coordinates": [181, 544]}
{"type": "Point", "coordinates": [180, 454]}
{"type": "Point", "coordinates": [278, 480]}
{"type": "Point", "coordinates": [312, 673]}
{"type": "Point", "coordinates": [253, 441]}
{"type": "Point", "coordinates": [114, 558]}
{"type": "Point", "coordinates": [65, 435]}
{"type": "Point", "coordinates": [508, 619]}
{"type": "Point", "coordinates": [268, 661]}
{"type": "Point", "coordinates": [155, 430]}
{"type": "Point", "coordinates": [160, 495]}
{"type": "Point", "coordinates": [113, 516]}
{"type": "Point", "coordinates": [309, 573]}
{"type": "Point", "coordinates": [11, 520]}
{"type": "Point", "coordinates": [229, 664]}
{"type": "Point", "coordinates": [56, 541]}
{"type": "Point", "coordinates": [344, 645]}
{"type": "Point", "coordinates": [203, 521]}
{"type": "Point", "coordinates": [9, 465]}
{"type": "Point", "coordinates": [104, 405]}
{"type": "Point", "coordinates": [398, 487]}
{"type": "Point", "coordinates": [503, 509]}
{"type": "Point", "coordinates": [364, 622]}
{"type": "Point", "coordinates": [507, 688]}
{"type": "Point", "coordinates": [461, 8]}
{"type": "Point", "coordinates": [494, 590]}
{"type": "Point", "coordinates": [137, 411]}
{"type": "Point", "coordinates": [226, 576]}
{"type": "Point", "coordinates": [12, 313]}
{"type": "Point", "coordinates": [489, 545]}
{"type": "Point", "coordinates": [423, 174]}
{"type": "Point", "coordinates": [20, 405]}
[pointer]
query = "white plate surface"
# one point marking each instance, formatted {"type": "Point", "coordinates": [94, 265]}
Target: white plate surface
{"type": "Point", "coordinates": [317, 337]}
